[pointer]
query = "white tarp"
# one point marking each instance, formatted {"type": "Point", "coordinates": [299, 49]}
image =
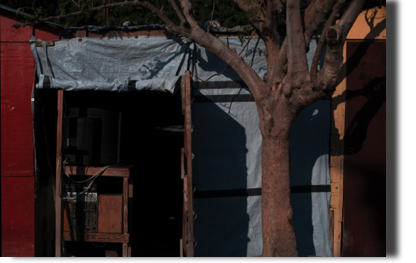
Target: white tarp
{"type": "Point", "coordinates": [124, 64]}
{"type": "Point", "coordinates": [226, 137]}
{"type": "Point", "coordinates": [227, 148]}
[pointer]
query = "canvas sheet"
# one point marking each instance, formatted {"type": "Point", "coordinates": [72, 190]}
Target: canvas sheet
{"type": "Point", "coordinates": [227, 163]}
{"type": "Point", "coordinates": [111, 64]}
{"type": "Point", "coordinates": [226, 137]}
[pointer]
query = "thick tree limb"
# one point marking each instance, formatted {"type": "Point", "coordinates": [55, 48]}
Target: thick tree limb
{"type": "Point", "coordinates": [312, 13]}
{"type": "Point", "coordinates": [297, 62]}
{"type": "Point", "coordinates": [268, 30]}
{"type": "Point", "coordinates": [253, 16]}
{"type": "Point", "coordinates": [336, 36]}
{"type": "Point", "coordinates": [178, 12]}
{"type": "Point", "coordinates": [321, 16]}
{"type": "Point", "coordinates": [350, 15]}
{"type": "Point", "coordinates": [255, 84]}
{"type": "Point", "coordinates": [328, 23]}
{"type": "Point", "coordinates": [189, 13]}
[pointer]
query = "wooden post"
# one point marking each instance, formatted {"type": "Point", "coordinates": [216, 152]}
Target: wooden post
{"type": "Point", "coordinates": [188, 151]}
{"type": "Point", "coordinates": [58, 181]}
{"type": "Point", "coordinates": [125, 212]}
{"type": "Point", "coordinates": [337, 159]}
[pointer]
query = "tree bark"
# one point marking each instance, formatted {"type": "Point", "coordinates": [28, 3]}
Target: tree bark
{"type": "Point", "coordinates": [278, 234]}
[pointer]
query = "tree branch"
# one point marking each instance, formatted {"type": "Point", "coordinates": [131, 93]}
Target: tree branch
{"type": "Point", "coordinates": [320, 18]}
{"type": "Point", "coordinates": [189, 13]}
{"type": "Point", "coordinates": [278, 69]}
{"type": "Point", "coordinates": [270, 32]}
{"type": "Point", "coordinates": [336, 36]}
{"type": "Point", "coordinates": [296, 53]}
{"type": "Point", "coordinates": [350, 15]}
{"type": "Point", "coordinates": [73, 1]}
{"type": "Point", "coordinates": [178, 12]}
{"type": "Point", "coordinates": [255, 84]}
{"type": "Point", "coordinates": [328, 23]}
{"type": "Point", "coordinates": [252, 16]}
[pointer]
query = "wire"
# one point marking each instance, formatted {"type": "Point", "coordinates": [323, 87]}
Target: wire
{"type": "Point", "coordinates": [92, 178]}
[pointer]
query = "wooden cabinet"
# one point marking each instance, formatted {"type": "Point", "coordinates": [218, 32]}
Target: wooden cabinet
{"type": "Point", "coordinates": [113, 210]}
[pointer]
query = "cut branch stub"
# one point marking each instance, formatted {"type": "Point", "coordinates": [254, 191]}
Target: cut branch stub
{"type": "Point", "coordinates": [332, 36]}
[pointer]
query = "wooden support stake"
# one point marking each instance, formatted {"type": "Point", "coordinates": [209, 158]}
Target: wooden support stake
{"type": "Point", "coordinates": [125, 212]}
{"type": "Point", "coordinates": [58, 181]}
{"type": "Point", "coordinates": [47, 43]}
{"type": "Point", "coordinates": [337, 159]}
{"type": "Point", "coordinates": [188, 151]}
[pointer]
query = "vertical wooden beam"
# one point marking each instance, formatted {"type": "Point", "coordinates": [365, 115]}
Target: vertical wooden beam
{"type": "Point", "coordinates": [58, 174]}
{"type": "Point", "coordinates": [125, 212]}
{"type": "Point", "coordinates": [337, 159]}
{"type": "Point", "coordinates": [188, 151]}
{"type": "Point", "coordinates": [184, 204]}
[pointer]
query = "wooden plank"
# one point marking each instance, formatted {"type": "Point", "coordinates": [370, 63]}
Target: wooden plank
{"type": "Point", "coordinates": [125, 212]}
{"type": "Point", "coordinates": [58, 186]}
{"type": "Point", "coordinates": [47, 43]}
{"type": "Point", "coordinates": [16, 113]}
{"type": "Point", "coordinates": [123, 34]}
{"type": "Point", "coordinates": [184, 203]}
{"type": "Point", "coordinates": [130, 220]}
{"type": "Point", "coordinates": [17, 217]}
{"type": "Point", "coordinates": [337, 159]}
{"type": "Point", "coordinates": [99, 237]}
{"type": "Point", "coordinates": [183, 96]}
{"type": "Point", "coordinates": [121, 171]}
{"type": "Point", "coordinates": [110, 213]}
{"type": "Point", "coordinates": [188, 151]}
{"type": "Point", "coordinates": [91, 237]}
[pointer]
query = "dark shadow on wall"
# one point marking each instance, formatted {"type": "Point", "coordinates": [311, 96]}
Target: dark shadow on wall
{"type": "Point", "coordinates": [220, 174]}
{"type": "Point", "coordinates": [364, 150]}
{"type": "Point", "coordinates": [45, 148]}
{"type": "Point", "coordinates": [308, 142]}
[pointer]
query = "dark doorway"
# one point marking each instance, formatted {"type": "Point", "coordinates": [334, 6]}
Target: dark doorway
{"type": "Point", "coordinates": [150, 137]}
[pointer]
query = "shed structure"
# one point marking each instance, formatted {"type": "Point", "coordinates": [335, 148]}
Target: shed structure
{"type": "Point", "coordinates": [226, 140]}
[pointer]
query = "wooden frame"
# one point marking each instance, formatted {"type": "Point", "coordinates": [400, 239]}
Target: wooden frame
{"type": "Point", "coordinates": [187, 242]}
{"type": "Point", "coordinates": [58, 183]}
{"type": "Point", "coordinates": [121, 172]}
{"type": "Point", "coordinates": [124, 238]}
{"type": "Point", "coordinates": [337, 163]}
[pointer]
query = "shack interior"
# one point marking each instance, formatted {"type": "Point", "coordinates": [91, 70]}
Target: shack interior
{"type": "Point", "coordinates": [151, 139]}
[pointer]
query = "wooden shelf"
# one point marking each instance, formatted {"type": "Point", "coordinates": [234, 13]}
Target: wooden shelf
{"type": "Point", "coordinates": [119, 171]}
{"type": "Point", "coordinates": [97, 237]}
{"type": "Point", "coordinates": [92, 237]}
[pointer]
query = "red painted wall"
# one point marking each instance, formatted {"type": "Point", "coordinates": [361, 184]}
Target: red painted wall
{"type": "Point", "coordinates": [17, 180]}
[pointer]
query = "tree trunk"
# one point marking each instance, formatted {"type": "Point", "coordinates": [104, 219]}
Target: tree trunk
{"type": "Point", "coordinates": [278, 234]}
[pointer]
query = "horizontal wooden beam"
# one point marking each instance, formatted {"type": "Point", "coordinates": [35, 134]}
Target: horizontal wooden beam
{"type": "Point", "coordinates": [91, 237]}
{"type": "Point", "coordinates": [48, 43]}
{"type": "Point", "coordinates": [121, 171]}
